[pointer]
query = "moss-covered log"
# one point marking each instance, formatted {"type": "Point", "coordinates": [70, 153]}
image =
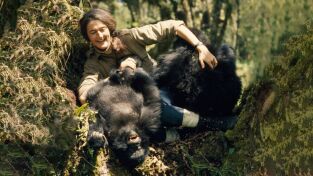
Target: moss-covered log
{"type": "Point", "coordinates": [274, 134]}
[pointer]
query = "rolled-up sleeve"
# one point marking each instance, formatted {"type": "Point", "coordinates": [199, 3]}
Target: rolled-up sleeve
{"type": "Point", "coordinates": [90, 77]}
{"type": "Point", "coordinates": [155, 33]}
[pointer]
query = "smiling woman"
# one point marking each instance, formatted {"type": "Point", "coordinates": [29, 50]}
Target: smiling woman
{"type": "Point", "coordinates": [99, 35]}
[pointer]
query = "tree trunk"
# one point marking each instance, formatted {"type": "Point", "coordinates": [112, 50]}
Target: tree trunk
{"type": "Point", "coordinates": [187, 10]}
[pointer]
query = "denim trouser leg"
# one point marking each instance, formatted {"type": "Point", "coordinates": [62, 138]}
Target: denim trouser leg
{"type": "Point", "coordinates": [170, 115]}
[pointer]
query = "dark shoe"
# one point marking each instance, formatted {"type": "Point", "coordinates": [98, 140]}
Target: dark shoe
{"type": "Point", "coordinates": [218, 123]}
{"type": "Point", "coordinates": [166, 135]}
{"type": "Point", "coordinates": [172, 135]}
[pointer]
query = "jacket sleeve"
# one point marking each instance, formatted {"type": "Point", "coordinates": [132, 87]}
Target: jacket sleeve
{"type": "Point", "coordinates": [155, 33]}
{"type": "Point", "coordinates": [135, 59]}
{"type": "Point", "coordinates": [89, 79]}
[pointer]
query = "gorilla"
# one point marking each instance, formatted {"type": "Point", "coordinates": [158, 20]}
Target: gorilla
{"type": "Point", "coordinates": [210, 93]}
{"type": "Point", "coordinates": [128, 108]}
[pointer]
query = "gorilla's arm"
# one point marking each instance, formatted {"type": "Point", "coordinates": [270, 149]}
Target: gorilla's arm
{"type": "Point", "coordinates": [93, 92]}
{"type": "Point", "coordinates": [150, 113]}
{"type": "Point", "coordinates": [96, 137]}
{"type": "Point", "coordinates": [144, 84]}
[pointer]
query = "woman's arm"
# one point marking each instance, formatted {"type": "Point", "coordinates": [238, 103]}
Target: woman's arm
{"type": "Point", "coordinates": [205, 56]}
{"type": "Point", "coordinates": [86, 83]}
{"type": "Point", "coordinates": [89, 79]}
{"type": "Point", "coordinates": [156, 33]}
{"type": "Point", "coordinates": [165, 30]}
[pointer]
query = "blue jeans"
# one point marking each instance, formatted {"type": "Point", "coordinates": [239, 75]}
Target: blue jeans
{"type": "Point", "coordinates": [171, 116]}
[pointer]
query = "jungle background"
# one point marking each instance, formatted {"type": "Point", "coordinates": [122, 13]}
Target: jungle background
{"type": "Point", "coordinates": [43, 128]}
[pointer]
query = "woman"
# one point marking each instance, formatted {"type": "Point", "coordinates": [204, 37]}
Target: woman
{"type": "Point", "coordinates": [113, 49]}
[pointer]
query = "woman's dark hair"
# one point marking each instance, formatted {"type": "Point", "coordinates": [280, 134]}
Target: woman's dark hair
{"type": "Point", "coordinates": [97, 14]}
{"type": "Point", "coordinates": [106, 18]}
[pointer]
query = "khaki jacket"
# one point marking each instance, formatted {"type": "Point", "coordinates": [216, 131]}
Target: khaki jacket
{"type": "Point", "coordinates": [98, 65]}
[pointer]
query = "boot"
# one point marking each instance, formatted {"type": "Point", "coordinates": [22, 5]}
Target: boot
{"type": "Point", "coordinates": [217, 123]}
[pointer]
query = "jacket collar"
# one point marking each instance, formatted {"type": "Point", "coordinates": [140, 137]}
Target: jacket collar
{"type": "Point", "coordinates": [96, 53]}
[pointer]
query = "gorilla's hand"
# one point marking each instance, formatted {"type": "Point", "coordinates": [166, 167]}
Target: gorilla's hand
{"type": "Point", "coordinates": [121, 77]}
{"type": "Point", "coordinates": [97, 139]}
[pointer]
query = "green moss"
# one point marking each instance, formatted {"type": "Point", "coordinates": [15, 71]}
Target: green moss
{"type": "Point", "coordinates": [37, 122]}
{"type": "Point", "coordinates": [278, 140]}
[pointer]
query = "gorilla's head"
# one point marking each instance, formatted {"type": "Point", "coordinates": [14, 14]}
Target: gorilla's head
{"type": "Point", "coordinates": [129, 114]}
{"type": "Point", "coordinates": [129, 125]}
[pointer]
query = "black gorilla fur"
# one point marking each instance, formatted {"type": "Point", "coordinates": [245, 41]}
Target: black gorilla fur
{"type": "Point", "coordinates": [128, 106]}
{"type": "Point", "coordinates": [210, 93]}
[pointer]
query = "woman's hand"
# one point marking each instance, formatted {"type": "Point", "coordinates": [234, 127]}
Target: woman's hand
{"type": "Point", "coordinates": [129, 62]}
{"type": "Point", "coordinates": [205, 56]}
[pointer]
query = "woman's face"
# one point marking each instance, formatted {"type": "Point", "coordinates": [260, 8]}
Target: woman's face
{"type": "Point", "coordinates": [99, 35]}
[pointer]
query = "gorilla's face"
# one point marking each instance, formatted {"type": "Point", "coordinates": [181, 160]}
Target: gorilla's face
{"type": "Point", "coordinates": [126, 136]}
{"type": "Point", "coordinates": [130, 144]}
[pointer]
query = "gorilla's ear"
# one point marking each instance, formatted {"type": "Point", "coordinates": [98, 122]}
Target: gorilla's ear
{"type": "Point", "coordinates": [150, 118]}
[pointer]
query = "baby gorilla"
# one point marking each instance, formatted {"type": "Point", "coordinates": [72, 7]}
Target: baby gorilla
{"type": "Point", "coordinates": [210, 93]}
{"type": "Point", "coordinates": [128, 106]}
